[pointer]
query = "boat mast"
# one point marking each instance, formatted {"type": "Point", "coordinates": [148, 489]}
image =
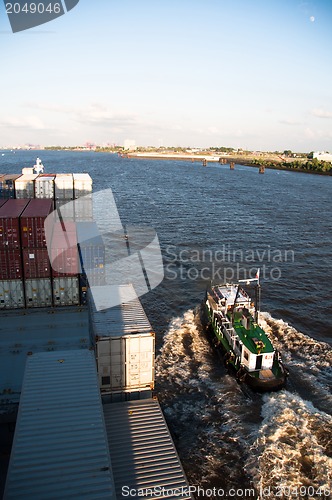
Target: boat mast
{"type": "Point", "coordinates": [257, 297]}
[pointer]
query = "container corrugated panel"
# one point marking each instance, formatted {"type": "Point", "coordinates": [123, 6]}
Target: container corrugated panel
{"type": "Point", "coordinates": [142, 451]}
{"type": "Point", "coordinates": [44, 186]}
{"type": "Point", "coordinates": [11, 294]}
{"type": "Point", "coordinates": [32, 223]}
{"type": "Point", "coordinates": [25, 186]}
{"type": "Point", "coordinates": [10, 264]}
{"type": "Point", "coordinates": [65, 291]}
{"type": "Point", "coordinates": [36, 330]}
{"type": "Point", "coordinates": [36, 263]}
{"type": "Point", "coordinates": [64, 252]}
{"type": "Point", "coordinates": [65, 210]}
{"type": "Point", "coordinates": [64, 187]}
{"type": "Point", "coordinates": [128, 318]}
{"type": "Point", "coordinates": [7, 188]}
{"type": "Point", "coordinates": [38, 292]}
{"type": "Point", "coordinates": [60, 446]}
{"type": "Point", "coordinates": [82, 185]}
{"type": "Point", "coordinates": [124, 343]}
{"type": "Point", "coordinates": [91, 252]}
{"type": "Point", "coordinates": [9, 223]}
{"type": "Point", "coordinates": [83, 209]}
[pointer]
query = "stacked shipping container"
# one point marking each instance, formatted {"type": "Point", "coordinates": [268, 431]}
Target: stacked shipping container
{"type": "Point", "coordinates": [36, 264]}
{"type": "Point", "coordinates": [25, 186]}
{"type": "Point", "coordinates": [124, 345]}
{"type": "Point", "coordinates": [11, 292]}
{"type": "Point", "coordinates": [7, 185]}
{"type": "Point", "coordinates": [26, 274]}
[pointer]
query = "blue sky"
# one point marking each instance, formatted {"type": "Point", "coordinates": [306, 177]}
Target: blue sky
{"type": "Point", "coordinates": [241, 73]}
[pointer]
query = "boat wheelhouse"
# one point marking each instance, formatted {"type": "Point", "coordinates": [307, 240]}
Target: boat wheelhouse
{"type": "Point", "coordinates": [232, 318]}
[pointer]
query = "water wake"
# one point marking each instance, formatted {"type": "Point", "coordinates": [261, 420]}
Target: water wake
{"type": "Point", "coordinates": [227, 438]}
{"type": "Point", "coordinates": [292, 454]}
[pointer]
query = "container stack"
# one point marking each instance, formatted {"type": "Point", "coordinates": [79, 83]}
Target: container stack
{"type": "Point", "coordinates": [65, 264]}
{"type": "Point", "coordinates": [83, 197]}
{"type": "Point", "coordinates": [11, 272]}
{"type": "Point", "coordinates": [7, 185]}
{"type": "Point", "coordinates": [27, 278]}
{"type": "Point", "coordinates": [124, 345]}
{"type": "Point", "coordinates": [25, 186]}
{"type": "Point", "coordinates": [63, 195]}
{"type": "Point", "coordinates": [36, 264]}
{"type": "Point", "coordinates": [91, 250]}
{"type": "Point", "coordinates": [44, 186]}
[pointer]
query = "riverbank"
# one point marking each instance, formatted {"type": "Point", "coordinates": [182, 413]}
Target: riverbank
{"type": "Point", "coordinates": [272, 162]}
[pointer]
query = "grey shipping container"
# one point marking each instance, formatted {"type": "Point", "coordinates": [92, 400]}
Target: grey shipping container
{"type": "Point", "coordinates": [91, 252]}
{"type": "Point", "coordinates": [82, 185]}
{"type": "Point", "coordinates": [60, 445]}
{"type": "Point", "coordinates": [66, 291]}
{"type": "Point", "coordinates": [142, 451]}
{"type": "Point", "coordinates": [124, 343]}
{"type": "Point", "coordinates": [44, 186]}
{"type": "Point", "coordinates": [64, 187]}
{"type": "Point", "coordinates": [83, 209]}
{"type": "Point", "coordinates": [25, 186]}
{"type": "Point", "coordinates": [65, 210]}
{"type": "Point", "coordinates": [38, 292]}
{"type": "Point", "coordinates": [11, 294]}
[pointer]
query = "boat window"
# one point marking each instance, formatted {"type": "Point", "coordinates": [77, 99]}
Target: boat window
{"type": "Point", "coordinates": [245, 354]}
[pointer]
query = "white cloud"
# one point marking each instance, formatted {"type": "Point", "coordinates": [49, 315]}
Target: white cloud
{"type": "Point", "coordinates": [321, 113]}
{"type": "Point", "coordinates": [26, 122]}
{"type": "Point", "coordinates": [289, 121]}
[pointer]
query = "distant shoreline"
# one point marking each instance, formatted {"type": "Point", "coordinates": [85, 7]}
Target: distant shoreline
{"type": "Point", "coordinates": [236, 159]}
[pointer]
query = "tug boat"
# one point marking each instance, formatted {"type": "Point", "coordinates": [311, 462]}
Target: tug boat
{"type": "Point", "coordinates": [231, 318]}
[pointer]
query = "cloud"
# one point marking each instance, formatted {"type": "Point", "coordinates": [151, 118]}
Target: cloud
{"type": "Point", "coordinates": [26, 122]}
{"type": "Point", "coordinates": [321, 113]}
{"type": "Point", "coordinates": [289, 121]}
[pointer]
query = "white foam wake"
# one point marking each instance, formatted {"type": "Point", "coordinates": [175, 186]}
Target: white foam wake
{"type": "Point", "coordinates": [292, 448]}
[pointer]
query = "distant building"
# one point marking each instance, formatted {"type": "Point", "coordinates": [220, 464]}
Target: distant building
{"type": "Point", "coordinates": [322, 156]}
{"type": "Point", "coordinates": [129, 145]}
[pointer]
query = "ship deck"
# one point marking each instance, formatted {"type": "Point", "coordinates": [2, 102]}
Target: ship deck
{"type": "Point", "coordinates": [250, 337]}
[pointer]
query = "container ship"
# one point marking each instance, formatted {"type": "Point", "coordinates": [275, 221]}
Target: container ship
{"type": "Point", "coordinates": [76, 381]}
{"type": "Point", "coordinates": [231, 318]}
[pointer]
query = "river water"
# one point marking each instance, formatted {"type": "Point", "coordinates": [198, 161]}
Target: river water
{"type": "Point", "coordinates": [214, 223]}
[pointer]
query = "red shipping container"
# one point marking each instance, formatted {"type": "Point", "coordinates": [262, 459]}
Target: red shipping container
{"type": "Point", "coordinates": [32, 223]}
{"type": "Point", "coordinates": [2, 202]}
{"type": "Point", "coordinates": [10, 264]}
{"type": "Point", "coordinates": [9, 223]}
{"type": "Point", "coordinates": [36, 263]}
{"type": "Point", "coordinates": [64, 251]}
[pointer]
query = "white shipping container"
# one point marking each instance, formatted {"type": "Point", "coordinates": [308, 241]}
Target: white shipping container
{"type": "Point", "coordinates": [64, 187]}
{"type": "Point", "coordinates": [124, 342]}
{"type": "Point", "coordinates": [125, 363]}
{"type": "Point", "coordinates": [25, 186]}
{"type": "Point", "coordinates": [66, 291]}
{"type": "Point", "coordinates": [82, 185]}
{"type": "Point", "coordinates": [11, 294]}
{"type": "Point", "coordinates": [44, 187]}
{"type": "Point", "coordinates": [38, 292]}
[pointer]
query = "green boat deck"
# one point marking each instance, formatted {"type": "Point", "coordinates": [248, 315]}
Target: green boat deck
{"type": "Point", "coordinates": [254, 339]}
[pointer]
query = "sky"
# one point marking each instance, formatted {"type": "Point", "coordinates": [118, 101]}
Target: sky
{"type": "Point", "coordinates": [251, 74]}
